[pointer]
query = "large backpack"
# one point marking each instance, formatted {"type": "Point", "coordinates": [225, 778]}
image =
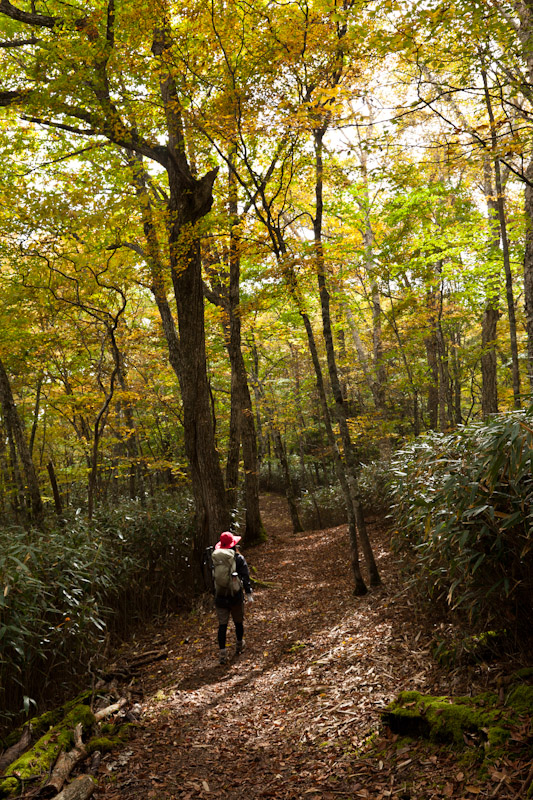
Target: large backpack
{"type": "Point", "coordinates": [225, 577]}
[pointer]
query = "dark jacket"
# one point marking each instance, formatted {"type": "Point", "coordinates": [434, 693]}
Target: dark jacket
{"type": "Point", "coordinates": [244, 574]}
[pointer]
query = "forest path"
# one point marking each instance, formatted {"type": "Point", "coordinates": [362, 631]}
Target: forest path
{"type": "Point", "coordinates": [288, 717]}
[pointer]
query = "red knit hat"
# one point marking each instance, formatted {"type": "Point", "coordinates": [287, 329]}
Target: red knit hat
{"type": "Point", "coordinates": [227, 540]}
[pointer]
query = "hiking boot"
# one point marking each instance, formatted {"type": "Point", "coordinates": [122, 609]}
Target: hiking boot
{"type": "Point", "coordinates": [239, 647]}
{"type": "Point", "coordinates": [222, 657]}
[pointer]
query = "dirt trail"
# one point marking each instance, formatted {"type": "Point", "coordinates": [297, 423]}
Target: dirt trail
{"type": "Point", "coordinates": [288, 717]}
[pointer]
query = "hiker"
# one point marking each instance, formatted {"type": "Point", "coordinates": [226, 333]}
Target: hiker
{"type": "Point", "coordinates": [229, 596]}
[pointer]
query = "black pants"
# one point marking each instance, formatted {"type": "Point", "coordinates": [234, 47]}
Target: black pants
{"type": "Point", "coordinates": [236, 612]}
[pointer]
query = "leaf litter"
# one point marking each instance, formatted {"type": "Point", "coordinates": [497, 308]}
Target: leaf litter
{"type": "Point", "coordinates": [298, 713]}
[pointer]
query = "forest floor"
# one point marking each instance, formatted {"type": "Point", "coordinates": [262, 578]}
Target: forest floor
{"type": "Point", "coordinates": [293, 716]}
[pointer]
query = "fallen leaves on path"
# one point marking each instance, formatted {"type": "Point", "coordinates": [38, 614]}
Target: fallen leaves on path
{"type": "Point", "coordinates": [292, 716]}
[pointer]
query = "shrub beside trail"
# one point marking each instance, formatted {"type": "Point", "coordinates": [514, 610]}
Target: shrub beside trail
{"type": "Point", "coordinates": [463, 512]}
{"type": "Point", "coordinates": [66, 592]}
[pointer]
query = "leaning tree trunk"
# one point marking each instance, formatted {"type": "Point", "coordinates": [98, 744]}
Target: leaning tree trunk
{"type": "Point", "coordinates": [340, 468]}
{"type": "Point", "coordinates": [340, 406]}
{"type": "Point", "coordinates": [14, 423]}
{"type": "Point", "coordinates": [353, 522]}
{"type": "Point", "coordinates": [281, 455]}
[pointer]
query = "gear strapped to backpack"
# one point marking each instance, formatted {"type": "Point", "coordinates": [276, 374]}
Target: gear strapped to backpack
{"type": "Point", "coordinates": [225, 576]}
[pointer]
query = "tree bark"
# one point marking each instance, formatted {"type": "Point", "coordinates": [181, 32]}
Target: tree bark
{"type": "Point", "coordinates": [491, 313]}
{"type": "Point", "coordinates": [340, 406]}
{"type": "Point", "coordinates": [64, 765]}
{"type": "Point", "coordinates": [359, 583]}
{"type": "Point", "coordinates": [528, 270]}
{"type": "Point", "coordinates": [432, 356]}
{"type": "Point", "coordinates": [186, 346]}
{"type": "Point", "coordinates": [15, 424]}
{"type": "Point", "coordinates": [130, 439]}
{"type": "Point", "coordinates": [524, 10]}
{"type": "Point", "coordinates": [16, 750]}
{"type": "Point", "coordinates": [379, 378]}
{"type": "Point", "coordinates": [500, 204]}
{"type": "Point", "coordinates": [281, 455]}
{"type": "Point", "coordinates": [55, 488]}
{"type": "Point", "coordinates": [80, 788]}
{"type": "Point", "coordinates": [190, 199]}
{"type": "Point", "coordinates": [240, 393]}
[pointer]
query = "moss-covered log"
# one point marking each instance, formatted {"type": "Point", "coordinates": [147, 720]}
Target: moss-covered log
{"type": "Point", "coordinates": [58, 748]}
{"type": "Point", "coordinates": [482, 719]}
{"type": "Point", "coordinates": [35, 764]}
{"type": "Point", "coordinates": [44, 722]}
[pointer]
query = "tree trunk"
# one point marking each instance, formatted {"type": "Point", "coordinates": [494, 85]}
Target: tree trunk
{"type": "Point", "coordinates": [186, 348]}
{"type": "Point", "coordinates": [432, 358]}
{"type": "Point", "coordinates": [340, 406]}
{"type": "Point", "coordinates": [35, 414]}
{"type": "Point", "coordinates": [380, 375]}
{"type": "Point", "coordinates": [55, 489]}
{"type": "Point", "coordinates": [262, 440]}
{"type": "Point", "coordinates": [528, 270]}
{"type": "Point", "coordinates": [489, 385]}
{"type": "Point", "coordinates": [359, 584]}
{"type": "Point", "coordinates": [234, 444]}
{"type": "Point", "coordinates": [289, 490]}
{"type": "Point", "coordinates": [64, 765]}
{"type": "Point", "coordinates": [208, 485]}
{"type": "Point", "coordinates": [254, 531]}
{"type": "Point", "coordinates": [189, 201]}
{"type": "Point", "coordinates": [524, 9]}
{"type": "Point", "coordinates": [456, 372]}
{"type": "Point", "coordinates": [443, 384]}
{"type": "Point", "coordinates": [14, 423]}
{"type": "Point", "coordinates": [131, 439]}
{"type": "Point", "coordinates": [491, 313]}
{"type": "Point", "coordinates": [16, 750]}
{"type": "Point", "coordinates": [363, 357]}
{"type": "Point", "coordinates": [500, 204]}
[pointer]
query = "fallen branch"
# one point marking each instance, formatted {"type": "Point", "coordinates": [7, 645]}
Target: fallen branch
{"type": "Point", "coordinates": [65, 764]}
{"type": "Point", "coordinates": [112, 709]}
{"type": "Point", "coordinates": [147, 658]}
{"type": "Point", "coordinates": [523, 791]}
{"type": "Point", "coordinates": [126, 671]}
{"type": "Point", "coordinates": [16, 750]}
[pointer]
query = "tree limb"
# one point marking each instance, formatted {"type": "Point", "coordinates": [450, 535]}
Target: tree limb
{"type": "Point", "coordinates": [19, 42]}
{"type": "Point", "coordinates": [37, 20]}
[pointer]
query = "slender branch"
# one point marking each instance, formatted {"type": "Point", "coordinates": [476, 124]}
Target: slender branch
{"type": "Point", "coordinates": [63, 158]}
{"type": "Point", "coordinates": [19, 42]}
